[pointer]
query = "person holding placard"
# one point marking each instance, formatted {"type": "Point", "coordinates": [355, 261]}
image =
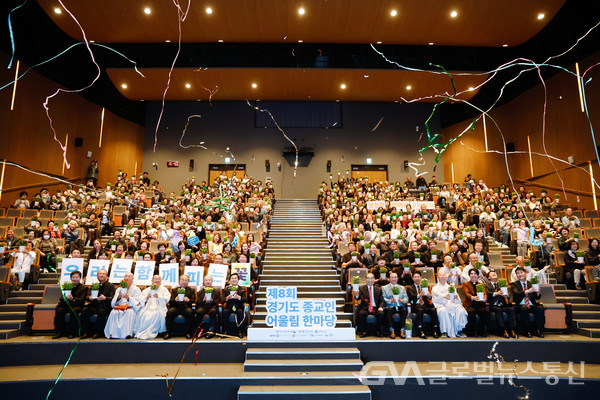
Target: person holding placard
{"type": "Point", "coordinates": [71, 305]}
{"type": "Point", "coordinates": [126, 304]}
{"type": "Point", "coordinates": [235, 303]}
{"type": "Point", "coordinates": [151, 320]}
{"type": "Point", "coordinates": [98, 305]}
{"type": "Point", "coordinates": [181, 304]}
{"type": "Point", "coordinates": [208, 298]}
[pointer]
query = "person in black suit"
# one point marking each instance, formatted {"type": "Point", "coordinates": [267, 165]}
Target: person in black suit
{"type": "Point", "coordinates": [475, 307]}
{"type": "Point", "coordinates": [422, 304]}
{"type": "Point", "coordinates": [499, 305]}
{"type": "Point", "coordinates": [371, 303]}
{"type": "Point", "coordinates": [525, 298]}
{"type": "Point", "coordinates": [205, 306]}
{"type": "Point", "coordinates": [76, 299]}
{"type": "Point", "coordinates": [181, 307]}
{"type": "Point", "coordinates": [235, 303]}
{"type": "Point", "coordinates": [101, 306]}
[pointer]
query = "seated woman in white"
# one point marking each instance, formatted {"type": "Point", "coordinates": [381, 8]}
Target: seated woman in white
{"type": "Point", "coordinates": [451, 314]}
{"type": "Point", "coordinates": [151, 320]}
{"type": "Point", "coordinates": [126, 304]}
{"type": "Point", "coordinates": [22, 261]}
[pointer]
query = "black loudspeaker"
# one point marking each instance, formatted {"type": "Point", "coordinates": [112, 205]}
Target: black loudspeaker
{"type": "Point", "coordinates": [267, 166]}
{"type": "Point", "coordinates": [328, 165]}
{"type": "Point", "coordinates": [510, 147]}
{"type": "Point", "coordinates": [78, 142]}
{"type": "Point", "coordinates": [191, 164]}
{"type": "Point", "coordinates": [405, 165]}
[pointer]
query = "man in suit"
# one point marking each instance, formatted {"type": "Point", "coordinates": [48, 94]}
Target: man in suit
{"type": "Point", "coordinates": [429, 257]}
{"type": "Point", "coordinates": [181, 307]}
{"type": "Point", "coordinates": [348, 261]}
{"type": "Point", "coordinates": [393, 306]}
{"type": "Point", "coordinates": [500, 304]}
{"type": "Point", "coordinates": [475, 306]}
{"type": "Point", "coordinates": [422, 304]}
{"type": "Point", "coordinates": [371, 303]}
{"type": "Point", "coordinates": [525, 298]}
{"type": "Point", "coordinates": [369, 259]}
{"type": "Point", "coordinates": [76, 299]}
{"type": "Point", "coordinates": [101, 306]}
{"type": "Point", "coordinates": [235, 303]}
{"type": "Point", "coordinates": [208, 305]}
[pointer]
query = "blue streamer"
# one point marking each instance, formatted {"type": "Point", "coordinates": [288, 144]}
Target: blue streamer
{"type": "Point", "coordinates": [10, 31]}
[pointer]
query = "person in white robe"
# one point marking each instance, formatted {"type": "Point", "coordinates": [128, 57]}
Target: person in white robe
{"type": "Point", "coordinates": [22, 261]}
{"type": "Point", "coordinates": [451, 313]}
{"type": "Point", "coordinates": [541, 274]}
{"type": "Point", "coordinates": [126, 304]}
{"type": "Point", "coordinates": [151, 320]}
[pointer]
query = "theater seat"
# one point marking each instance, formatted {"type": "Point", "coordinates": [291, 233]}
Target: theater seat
{"type": "Point", "coordinates": [555, 313]}
{"type": "Point", "coordinates": [42, 315]}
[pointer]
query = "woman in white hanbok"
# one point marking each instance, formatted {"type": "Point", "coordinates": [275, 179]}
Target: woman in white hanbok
{"type": "Point", "coordinates": [451, 314]}
{"type": "Point", "coordinates": [121, 319]}
{"type": "Point", "coordinates": [151, 320]}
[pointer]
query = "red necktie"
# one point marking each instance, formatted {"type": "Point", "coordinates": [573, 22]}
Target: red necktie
{"type": "Point", "coordinates": [370, 299]}
{"type": "Point", "coordinates": [527, 300]}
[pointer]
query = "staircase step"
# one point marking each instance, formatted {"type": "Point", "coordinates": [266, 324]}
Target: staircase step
{"type": "Point", "coordinates": [589, 332]}
{"type": "Point", "coordinates": [24, 300]}
{"type": "Point", "coordinates": [302, 353]}
{"type": "Point", "coordinates": [302, 294]}
{"type": "Point", "coordinates": [281, 365]}
{"type": "Point", "coordinates": [12, 315]}
{"type": "Point", "coordinates": [37, 286]}
{"type": "Point", "coordinates": [13, 308]}
{"type": "Point", "coordinates": [274, 271]}
{"type": "Point", "coordinates": [300, 392]}
{"type": "Point", "coordinates": [571, 293]}
{"type": "Point", "coordinates": [586, 307]}
{"type": "Point", "coordinates": [9, 333]}
{"type": "Point", "coordinates": [26, 293]}
{"type": "Point", "coordinates": [581, 300]}
{"type": "Point", "coordinates": [587, 323]}
{"type": "Point", "coordinates": [11, 324]}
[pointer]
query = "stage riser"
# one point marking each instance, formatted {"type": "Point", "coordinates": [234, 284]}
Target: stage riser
{"type": "Point", "coordinates": [311, 393]}
{"type": "Point", "coordinates": [256, 354]}
{"type": "Point", "coordinates": [355, 367]}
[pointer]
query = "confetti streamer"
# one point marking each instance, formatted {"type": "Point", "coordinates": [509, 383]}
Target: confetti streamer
{"type": "Point", "coordinates": [211, 93]}
{"type": "Point", "coordinates": [10, 31]}
{"type": "Point", "coordinates": [375, 127]}
{"type": "Point", "coordinates": [181, 17]}
{"type": "Point", "coordinates": [498, 359]}
{"type": "Point", "coordinates": [185, 130]}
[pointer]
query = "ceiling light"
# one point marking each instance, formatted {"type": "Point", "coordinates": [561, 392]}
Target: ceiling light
{"type": "Point", "coordinates": [393, 13]}
{"type": "Point", "coordinates": [365, 76]}
{"type": "Point", "coordinates": [57, 10]}
{"type": "Point", "coordinates": [220, 40]}
{"type": "Point", "coordinates": [408, 87]}
{"type": "Point", "coordinates": [343, 86]}
{"type": "Point", "coordinates": [540, 16]}
{"type": "Point", "coordinates": [208, 10]}
{"type": "Point", "coordinates": [471, 89]}
{"type": "Point", "coordinates": [454, 14]}
{"type": "Point", "coordinates": [167, 41]}
{"type": "Point", "coordinates": [254, 86]}
{"type": "Point", "coordinates": [92, 41]}
{"type": "Point", "coordinates": [147, 10]}
{"type": "Point", "coordinates": [300, 41]}
{"type": "Point", "coordinates": [504, 45]}
{"type": "Point", "coordinates": [124, 85]}
{"type": "Point", "coordinates": [431, 43]}
{"type": "Point", "coordinates": [187, 85]}
{"type": "Point", "coordinates": [369, 160]}
{"type": "Point", "coordinates": [379, 42]}
{"type": "Point", "coordinates": [227, 160]}
{"type": "Point", "coordinates": [337, 101]}
{"type": "Point", "coordinates": [301, 11]}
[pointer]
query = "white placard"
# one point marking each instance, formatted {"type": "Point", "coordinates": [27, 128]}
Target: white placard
{"type": "Point", "coordinates": [196, 274]}
{"type": "Point", "coordinates": [144, 270]}
{"type": "Point", "coordinates": [169, 274]}
{"type": "Point", "coordinates": [120, 267]}
{"type": "Point", "coordinates": [219, 274]}
{"type": "Point", "coordinates": [243, 270]}
{"type": "Point", "coordinates": [93, 267]}
{"type": "Point", "coordinates": [69, 265]}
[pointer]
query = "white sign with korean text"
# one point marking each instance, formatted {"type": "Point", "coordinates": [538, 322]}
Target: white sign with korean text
{"type": "Point", "coordinates": [93, 267]}
{"type": "Point", "coordinates": [69, 265]}
{"type": "Point", "coordinates": [169, 274]}
{"type": "Point", "coordinates": [120, 267]}
{"type": "Point", "coordinates": [144, 270]}
{"type": "Point", "coordinates": [196, 274]}
{"type": "Point", "coordinates": [219, 274]}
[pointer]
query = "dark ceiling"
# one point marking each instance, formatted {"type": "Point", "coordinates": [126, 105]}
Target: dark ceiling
{"type": "Point", "coordinates": [37, 39]}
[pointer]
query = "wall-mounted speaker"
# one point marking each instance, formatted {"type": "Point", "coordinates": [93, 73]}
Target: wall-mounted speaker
{"type": "Point", "coordinates": [191, 164]}
{"type": "Point", "coordinates": [510, 147]}
{"type": "Point", "coordinates": [405, 165]}
{"type": "Point", "coordinates": [78, 142]}
{"type": "Point", "coordinates": [328, 165]}
{"type": "Point", "coordinates": [267, 166]}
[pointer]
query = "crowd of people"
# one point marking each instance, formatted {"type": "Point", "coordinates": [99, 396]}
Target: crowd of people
{"type": "Point", "coordinates": [447, 232]}
{"type": "Point", "coordinates": [218, 215]}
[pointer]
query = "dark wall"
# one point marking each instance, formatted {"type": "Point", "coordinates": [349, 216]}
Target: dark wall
{"type": "Point", "coordinates": [231, 124]}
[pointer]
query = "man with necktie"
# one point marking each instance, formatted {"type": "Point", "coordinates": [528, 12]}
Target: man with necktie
{"type": "Point", "coordinates": [525, 297]}
{"type": "Point", "coordinates": [371, 303]}
{"type": "Point", "coordinates": [499, 305]}
{"type": "Point", "coordinates": [393, 305]}
{"type": "Point", "coordinates": [422, 304]}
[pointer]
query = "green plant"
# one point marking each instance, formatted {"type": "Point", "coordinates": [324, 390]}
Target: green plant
{"type": "Point", "coordinates": [123, 284]}
{"type": "Point", "coordinates": [406, 265]}
{"type": "Point", "coordinates": [576, 235]}
{"type": "Point", "coordinates": [383, 270]}
{"type": "Point", "coordinates": [209, 238]}
{"type": "Point", "coordinates": [356, 280]}
{"type": "Point", "coordinates": [203, 250]}
{"type": "Point", "coordinates": [424, 283]}
{"type": "Point", "coordinates": [579, 253]}
{"type": "Point", "coordinates": [452, 265]}
{"type": "Point", "coordinates": [67, 286]}
{"type": "Point", "coordinates": [478, 264]}
{"type": "Point", "coordinates": [502, 282]}
{"type": "Point", "coordinates": [361, 238]}
{"type": "Point", "coordinates": [396, 291]}
{"type": "Point", "coordinates": [417, 255]}
{"type": "Point", "coordinates": [208, 290]}
{"type": "Point", "coordinates": [433, 252]}
{"type": "Point", "coordinates": [188, 252]}
{"type": "Point", "coordinates": [548, 235]}
{"type": "Point", "coordinates": [233, 289]}
{"type": "Point", "coordinates": [557, 196]}
{"type": "Point", "coordinates": [354, 254]}
{"type": "Point", "coordinates": [535, 280]}
{"type": "Point", "coordinates": [252, 255]}
{"type": "Point", "coordinates": [527, 263]}
{"type": "Point", "coordinates": [181, 291]}
{"type": "Point", "coordinates": [154, 286]}
{"type": "Point", "coordinates": [480, 288]}
{"type": "Point", "coordinates": [95, 286]}
{"type": "Point", "coordinates": [451, 289]}
{"type": "Point", "coordinates": [396, 254]}
{"type": "Point", "coordinates": [367, 246]}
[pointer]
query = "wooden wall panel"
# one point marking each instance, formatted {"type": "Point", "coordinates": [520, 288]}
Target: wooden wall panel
{"type": "Point", "coordinates": [27, 139]}
{"type": "Point", "coordinates": [567, 133]}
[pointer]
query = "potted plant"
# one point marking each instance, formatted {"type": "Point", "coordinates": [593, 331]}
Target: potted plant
{"type": "Point", "coordinates": [425, 286]}
{"type": "Point", "coordinates": [66, 288]}
{"type": "Point", "coordinates": [124, 287]}
{"type": "Point", "coordinates": [180, 294]}
{"type": "Point", "coordinates": [580, 255]}
{"type": "Point", "coordinates": [252, 257]}
{"type": "Point", "coordinates": [95, 287]}
{"type": "Point", "coordinates": [382, 272]}
{"type": "Point", "coordinates": [362, 240]}
{"type": "Point", "coordinates": [354, 256]}
{"type": "Point", "coordinates": [434, 255]}
{"type": "Point", "coordinates": [576, 237]}
{"type": "Point", "coordinates": [478, 265]}
{"type": "Point", "coordinates": [396, 293]}
{"type": "Point", "coordinates": [502, 284]}
{"type": "Point", "coordinates": [204, 252]}
{"type": "Point", "coordinates": [548, 238]}
{"type": "Point", "coordinates": [453, 269]}
{"type": "Point", "coordinates": [480, 291]}
{"type": "Point", "coordinates": [535, 283]}
{"type": "Point", "coordinates": [417, 257]}
{"type": "Point", "coordinates": [355, 283]}
{"type": "Point", "coordinates": [460, 239]}
{"type": "Point", "coordinates": [113, 245]}
{"type": "Point", "coordinates": [396, 256]}
{"type": "Point", "coordinates": [367, 247]}
{"type": "Point", "coordinates": [556, 197]}
{"type": "Point", "coordinates": [188, 253]}
{"type": "Point", "coordinates": [209, 238]}
{"type": "Point", "coordinates": [406, 266]}
{"type": "Point", "coordinates": [548, 223]}
{"type": "Point", "coordinates": [168, 254]}
{"type": "Point", "coordinates": [451, 292]}
{"type": "Point", "coordinates": [153, 289]}
{"type": "Point", "coordinates": [208, 293]}
{"type": "Point", "coordinates": [527, 264]}
{"type": "Point", "coordinates": [408, 326]}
